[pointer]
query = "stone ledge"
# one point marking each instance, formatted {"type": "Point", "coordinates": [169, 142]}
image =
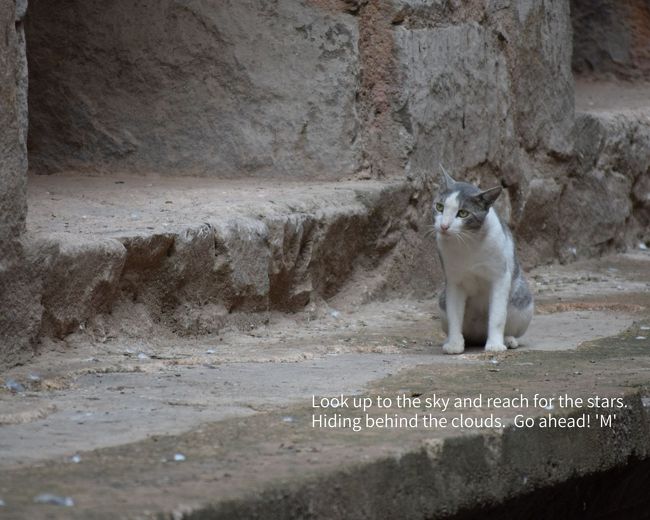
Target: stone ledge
{"type": "Point", "coordinates": [275, 465]}
{"type": "Point", "coordinates": [194, 254]}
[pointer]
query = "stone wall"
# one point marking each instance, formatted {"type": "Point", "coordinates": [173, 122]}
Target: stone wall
{"type": "Point", "coordinates": [611, 38]}
{"type": "Point", "coordinates": [19, 308]}
{"type": "Point", "coordinates": [306, 89]}
{"type": "Point", "coordinates": [605, 202]}
{"type": "Point", "coordinates": [224, 89]}
{"type": "Point", "coordinates": [12, 122]}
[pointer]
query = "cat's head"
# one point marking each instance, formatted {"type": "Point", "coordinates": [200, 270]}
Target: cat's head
{"type": "Point", "coordinates": [461, 208]}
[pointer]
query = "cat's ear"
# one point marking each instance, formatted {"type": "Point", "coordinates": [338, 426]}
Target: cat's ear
{"type": "Point", "coordinates": [489, 197]}
{"type": "Point", "coordinates": [447, 181]}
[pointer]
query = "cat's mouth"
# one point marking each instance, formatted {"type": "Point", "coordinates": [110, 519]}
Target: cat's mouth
{"type": "Point", "coordinates": [445, 233]}
{"type": "Point", "coordinates": [433, 230]}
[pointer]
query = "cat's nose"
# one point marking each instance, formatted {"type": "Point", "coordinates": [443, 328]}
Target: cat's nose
{"type": "Point", "coordinates": [444, 227]}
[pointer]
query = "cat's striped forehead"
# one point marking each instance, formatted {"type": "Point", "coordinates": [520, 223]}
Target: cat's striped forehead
{"type": "Point", "coordinates": [462, 191]}
{"type": "Point", "coordinates": [461, 195]}
{"type": "Point", "coordinates": [451, 200]}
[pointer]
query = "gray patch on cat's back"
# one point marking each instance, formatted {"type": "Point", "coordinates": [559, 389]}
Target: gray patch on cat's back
{"type": "Point", "coordinates": [520, 295]}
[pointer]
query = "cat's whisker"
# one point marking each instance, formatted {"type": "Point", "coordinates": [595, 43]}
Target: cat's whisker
{"type": "Point", "coordinates": [463, 238]}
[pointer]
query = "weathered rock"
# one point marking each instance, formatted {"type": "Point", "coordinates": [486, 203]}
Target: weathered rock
{"type": "Point", "coordinates": [475, 90]}
{"type": "Point", "coordinates": [603, 203]}
{"type": "Point", "coordinates": [611, 37]}
{"type": "Point", "coordinates": [19, 308]}
{"type": "Point", "coordinates": [455, 96]}
{"type": "Point", "coordinates": [221, 89]}
{"type": "Point", "coordinates": [241, 262]}
{"type": "Point", "coordinates": [233, 271]}
{"type": "Point", "coordinates": [79, 279]}
{"type": "Point", "coordinates": [22, 73]}
{"type": "Point", "coordinates": [291, 242]}
{"type": "Point", "coordinates": [540, 68]}
{"type": "Point", "coordinates": [384, 128]}
{"type": "Point", "coordinates": [12, 152]}
{"type": "Point", "coordinates": [539, 223]}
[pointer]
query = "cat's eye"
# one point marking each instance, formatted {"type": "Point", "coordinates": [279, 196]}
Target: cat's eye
{"type": "Point", "coordinates": [440, 207]}
{"type": "Point", "coordinates": [463, 213]}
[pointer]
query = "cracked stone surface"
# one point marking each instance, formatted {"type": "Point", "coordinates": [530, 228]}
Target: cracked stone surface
{"type": "Point", "coordinates": [118, 402]}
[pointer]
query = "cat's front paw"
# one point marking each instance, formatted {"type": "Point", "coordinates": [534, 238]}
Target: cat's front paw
{"type": "Point", "coordinates": [511, 342]}
{"type": "Point", "coordinates": [454, 347]}
{"type": "Point", "coordinates": [495, 347]}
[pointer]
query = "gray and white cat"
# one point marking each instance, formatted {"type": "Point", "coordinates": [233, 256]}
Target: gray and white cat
{"type": "Point", "coordinates": [486, 298]}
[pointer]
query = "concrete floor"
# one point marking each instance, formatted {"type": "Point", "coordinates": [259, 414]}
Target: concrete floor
{"type": "Point", "coordinates": [235, 403]}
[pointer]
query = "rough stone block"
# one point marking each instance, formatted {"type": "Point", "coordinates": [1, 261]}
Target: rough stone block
{"type": "Point", "coordinates": [80, 279]}
{"type": "Point", "coordinates": [19, 306]}
{"type": "Point", "coordinates": [221, 89]}
{"type": "Point", "coordinates": [611, 37]}
{"type": "Point", "coordinates": [456, 92]}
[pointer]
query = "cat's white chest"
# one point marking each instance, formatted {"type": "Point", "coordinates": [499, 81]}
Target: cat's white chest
{"type": "Point", "coordinates": [475, 264]}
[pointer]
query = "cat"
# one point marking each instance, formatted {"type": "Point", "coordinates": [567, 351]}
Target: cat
{"type": "Point", "coordinates": [486, 299]}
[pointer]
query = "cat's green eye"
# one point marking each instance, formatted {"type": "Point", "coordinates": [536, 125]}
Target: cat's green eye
{"type": "Point", "coordinates": [440, 207]}
{"type": "Point", "coordinates": [463, 213]}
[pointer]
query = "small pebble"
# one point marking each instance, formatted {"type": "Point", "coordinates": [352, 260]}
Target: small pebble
{"type": "Point", "coordinates": [179, 457]}
{"type": "Point", "coordinates": [644, 327]}
{"type": "Point", "coordinates": [34, 377]}
{"type": "Point", "coordinates": [14, 386]}
{"type": "Point", "coordinates": [142, 355]}
{"type": "Point", "coordinates": [210, 351]}
{"type": "Point", "coordinates": [335, 314]}
{"type": "Point", "coordinates": [641, 337]}
{"type": "Point", "coordinates": [76, 459]}
{"type": "Point", "coordinates": [54, 500]}
{"type": "Point", "coordinates": [287, 418]}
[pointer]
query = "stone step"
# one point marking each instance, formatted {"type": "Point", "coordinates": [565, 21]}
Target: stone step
{"type": "Point", "coordinates": [196, 255]}
{"type": "Point", "coordinates": [230, 433]}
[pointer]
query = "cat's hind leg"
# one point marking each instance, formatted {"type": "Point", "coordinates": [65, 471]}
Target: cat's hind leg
{"type": "Point", "coordinates": [518, 321]}
{"type": "Point", "coordinates": [520, 310]}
